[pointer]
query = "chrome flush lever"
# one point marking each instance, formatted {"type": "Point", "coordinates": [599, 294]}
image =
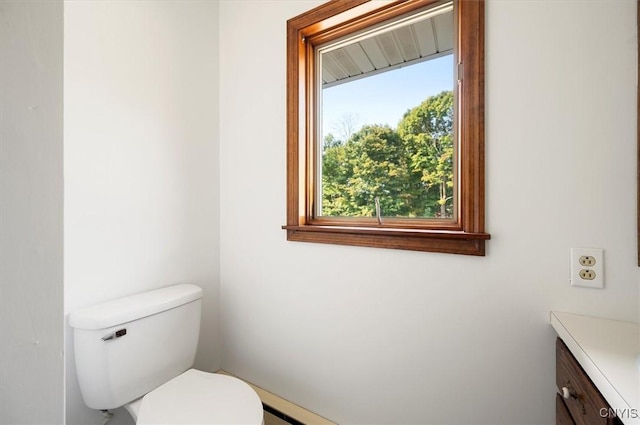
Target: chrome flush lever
{"type": "Point", "coordinates": [114, 335]}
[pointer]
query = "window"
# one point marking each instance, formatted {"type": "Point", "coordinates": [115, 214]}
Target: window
{"type": "Point", "coordinates": [416, 183]}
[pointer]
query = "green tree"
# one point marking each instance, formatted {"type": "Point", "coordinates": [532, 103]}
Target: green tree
{"type": "Point", "coordinates": [370, 164]}
{"type": "Point", "coordinates": [336, 172]}
{"type": "Point", "coordinates": [410, 170]}
{"type": "Point", "coordinates": [379, 170]}
{"type": "Point", "coordinates": [427, 131]}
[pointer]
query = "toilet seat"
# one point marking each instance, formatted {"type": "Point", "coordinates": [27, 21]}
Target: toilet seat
{"type": "Point", "coordinates": [197, 397]}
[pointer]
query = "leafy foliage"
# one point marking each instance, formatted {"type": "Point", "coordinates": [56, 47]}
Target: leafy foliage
{"type": "Point", "coordinates": [409, 169]}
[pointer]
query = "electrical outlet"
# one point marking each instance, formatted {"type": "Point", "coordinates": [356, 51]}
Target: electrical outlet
{"type": "Point", "coordinates": [587, 267]}
{"type": "Point", "coordinates": [587, 260]}
{"type": "Point", "coordinates": [587, 274]}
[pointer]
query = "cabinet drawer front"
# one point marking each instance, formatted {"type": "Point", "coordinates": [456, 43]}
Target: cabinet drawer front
{"type": "Point", "coordinates": [563, 417]}
{"type": "Point", "coordinates": [585, 402]}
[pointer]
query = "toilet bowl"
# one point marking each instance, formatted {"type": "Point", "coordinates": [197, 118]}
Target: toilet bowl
{"type": "Point", "coordinates": [137, 352]}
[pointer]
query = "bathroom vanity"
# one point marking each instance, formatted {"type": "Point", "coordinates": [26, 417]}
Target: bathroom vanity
{"type": "Point", "coordinates": [597, 373]}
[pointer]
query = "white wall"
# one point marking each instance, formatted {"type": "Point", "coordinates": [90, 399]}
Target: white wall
{"type": "Point", "coordinates": [359, 335]}
{"type": "Point", "coordinates": [365, 335]}
{"type": "Point", "coordinates": [31, 317]}
{"type": "Point", "coordinates": [141, 160]}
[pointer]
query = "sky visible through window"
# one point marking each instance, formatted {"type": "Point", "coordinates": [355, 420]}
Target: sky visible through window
{"type": "Point", "coordinates": [385, 97]}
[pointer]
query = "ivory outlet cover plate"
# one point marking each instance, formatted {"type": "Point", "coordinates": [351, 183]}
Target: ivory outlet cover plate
{"type": "Point", "coordinates": [587, 267]}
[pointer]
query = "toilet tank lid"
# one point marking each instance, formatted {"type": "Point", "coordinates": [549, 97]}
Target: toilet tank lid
{"type": "Point", "coordinates": [133, 307]}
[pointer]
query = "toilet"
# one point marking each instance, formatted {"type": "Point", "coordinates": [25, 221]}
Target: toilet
{"type": "Point", "coordinates": [137, 352]}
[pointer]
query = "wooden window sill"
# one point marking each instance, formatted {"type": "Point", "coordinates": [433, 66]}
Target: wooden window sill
{"type": "Point", "coordinates": [446, 241]}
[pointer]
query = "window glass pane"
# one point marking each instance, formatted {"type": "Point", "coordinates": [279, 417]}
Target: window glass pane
{"type": "Point", "coordinates": [387, 122]}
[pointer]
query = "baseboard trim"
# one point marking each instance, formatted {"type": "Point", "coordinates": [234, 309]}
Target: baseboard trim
{"type": "Point", "coordinates": [284, 409]}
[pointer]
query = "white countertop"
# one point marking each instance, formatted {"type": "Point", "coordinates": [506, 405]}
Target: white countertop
{"type": "Point", "coordinates": [607, 351]}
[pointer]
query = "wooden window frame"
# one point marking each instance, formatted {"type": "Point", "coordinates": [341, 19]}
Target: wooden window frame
{"type": "Point", "coordinates": [337, 18]}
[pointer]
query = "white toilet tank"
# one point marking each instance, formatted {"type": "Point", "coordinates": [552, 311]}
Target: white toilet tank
{"type": "Point", "coordinates": [127, 347]}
